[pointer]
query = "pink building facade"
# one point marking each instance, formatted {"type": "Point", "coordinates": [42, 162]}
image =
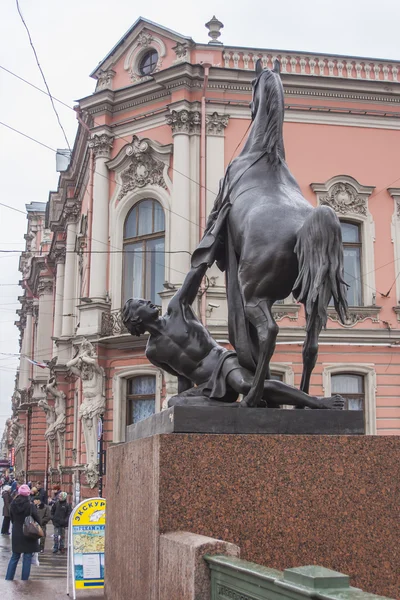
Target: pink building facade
{"type": "Point", "coordinates": [153, 141]}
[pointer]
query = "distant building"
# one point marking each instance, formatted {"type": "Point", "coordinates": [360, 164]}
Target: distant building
{"type": "Point", "coordinates": [126, 216]}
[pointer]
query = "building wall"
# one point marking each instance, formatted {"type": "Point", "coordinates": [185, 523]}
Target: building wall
{"type": "Point", "coordinates": [342, 125]}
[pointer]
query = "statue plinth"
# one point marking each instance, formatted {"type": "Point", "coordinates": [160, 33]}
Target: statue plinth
{"type": "Point", "coordinates": [239, 420]}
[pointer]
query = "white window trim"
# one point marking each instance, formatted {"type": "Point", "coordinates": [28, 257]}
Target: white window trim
{"type": "Point", "coordinates": [142, 45]}
{"type": "Point", "coordinates": [395, 193]}
{"type": "Point", "coordinates": [322, 191]}
{"type": "Point", "coordinates": [368, 371]}
{"type": "Point", "coordinates": [284, 369]}
{"type": "Point", "coordinates": [119, 387]}
{"type": "Point", "coordinates": [118, 215]}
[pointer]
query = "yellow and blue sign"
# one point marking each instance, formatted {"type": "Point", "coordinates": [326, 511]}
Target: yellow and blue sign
{"type": "Point", "coordinates": [86, 544]}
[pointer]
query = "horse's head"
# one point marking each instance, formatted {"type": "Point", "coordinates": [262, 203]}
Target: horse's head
{"type": "Point", "coordinates": [267, 106]}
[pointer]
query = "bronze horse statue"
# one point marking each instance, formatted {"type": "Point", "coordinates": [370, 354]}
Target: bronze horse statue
{"type": "Point", "coordinates": [271, 242]}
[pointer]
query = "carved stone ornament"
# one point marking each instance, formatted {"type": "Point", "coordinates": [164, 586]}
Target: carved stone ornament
{"type": "Point", "coordinates": [45, 287]}
{"type": "Point", "coordinates": [144, 39]}
{"type": "Point", "coordinates": [343, 199]}
{"type": "Point", "coordinates": [72, 210]}
{"type": "Point", "coordinates": [104, 79]}
{"type": "Point", "coordinates": [398, 208]}
{"type": "Point", "coordinates": [92, 474]}
{"type": "Point", "coordinates": [59, 255]}
{"type": "Point", "coordinates": [182, 51]}
{"type": "Point", "coordinates": [144, 169]}
{"type": "Point", "coordinates": [215, 123]}
{"type": "Point", "coordinates": [101, 145]}
{"type": "Point", "coordinates": [357, 315]}
{"type": "Point", "coordinates": [184, 121]}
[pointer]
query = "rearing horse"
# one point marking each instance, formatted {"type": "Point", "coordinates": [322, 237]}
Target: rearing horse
{"type": "Point", "coordinates": [274, 242]}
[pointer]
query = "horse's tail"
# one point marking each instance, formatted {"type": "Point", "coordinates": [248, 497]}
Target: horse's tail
{"type": "Point", "coordinates": [319, 253]}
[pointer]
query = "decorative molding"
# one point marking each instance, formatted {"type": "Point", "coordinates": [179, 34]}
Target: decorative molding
{"type": "Point", "coordinates": [397, 311]}
{"type": "Point", "coordinates": [144, 42]}
{"type": "Point", "coordinates": [59, 255]}
{"type": "Point", "coordinates": [104, 80]}
{"type": "Point", "coordinates": [182, 52]}
{"type": "Point", "coordinates": [184, 121]}
{"type": "Point", "coordinates": [280, 311]}
{"type": "Point", "coordinates": [101, 145]}
{"type": "Point", "coordinates": [343, 199]}
{"type": "Point", "coordinates": [72, 210]}
{"type": "Point", "coordinates": [144, 168]}
{"type": "Point", "coordinates": [315, 65]}
{"type": "Point", "coordinates": [356, 315]}
{"type": "Point", "coordinates": [216, 124]}
{"type": "Point", "coordinates": [45, 286]}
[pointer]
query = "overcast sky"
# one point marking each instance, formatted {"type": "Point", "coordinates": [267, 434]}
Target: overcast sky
{"type": "Point", "coordinates": [72, 36]}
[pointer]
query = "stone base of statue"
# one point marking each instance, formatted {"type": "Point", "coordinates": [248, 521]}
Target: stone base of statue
{"type": "Point", "coordinates": [216, 417]}
{"type": "Point", "coordinates": [285, 500]}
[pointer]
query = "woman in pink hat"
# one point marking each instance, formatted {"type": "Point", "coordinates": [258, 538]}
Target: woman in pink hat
{"type": "Point", "coordinates": [20, 508]}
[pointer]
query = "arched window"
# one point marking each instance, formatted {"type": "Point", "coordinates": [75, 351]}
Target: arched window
{"type": "Point", "coordinates": [351, 237]}
{"type": "Point", "coordinates": [144, 266]}
{"type": "Point", "coordinates": [140, 398]}
{"type": "Point", "coordinates": [351, 387]}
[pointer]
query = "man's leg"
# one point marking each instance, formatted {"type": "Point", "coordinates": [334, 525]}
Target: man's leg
{"type": "Point", "coordinates": [62, 539]}
{"type": "Point", "coordinates": [42, 539]}
{"type": "Point", "coordinates": [26, 565]}
{"type": "Point", "coordinates": [5, 528]}
{"type": "Point", "coordinates": [12, 566]}
{"type": "Point", "coordinates": [56, 539]}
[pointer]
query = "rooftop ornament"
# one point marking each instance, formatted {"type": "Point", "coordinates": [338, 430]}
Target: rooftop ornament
{"type": "Point", "coordinates": [214, 26]}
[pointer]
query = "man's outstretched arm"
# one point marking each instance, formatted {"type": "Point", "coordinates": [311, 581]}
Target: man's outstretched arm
{"type": "Point", "coordinates": [190, 287]}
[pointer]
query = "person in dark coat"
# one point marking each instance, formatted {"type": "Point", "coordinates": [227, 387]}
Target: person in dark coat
{"type": "Point", "coordinates": [6, 495]}
{"type": "Point", "coordinates": [42, 493]}
{"type": "Point", "coordinates": [60, 512]}
{"type": "Point", "coordinates": [44, 514]}
{"type": "Point", "coordinates": [20, 508]}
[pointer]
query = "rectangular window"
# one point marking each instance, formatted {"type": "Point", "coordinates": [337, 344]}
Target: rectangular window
{"type": "Point", "coordinates": [140, 398]}
{"type": "Point", "coordinates": [351, 388]}
{"type": "Point", "coordinates": [352, 262]}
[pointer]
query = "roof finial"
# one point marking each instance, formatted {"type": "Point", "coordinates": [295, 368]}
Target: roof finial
{"type": "Point", "coordinates": [214, 32]}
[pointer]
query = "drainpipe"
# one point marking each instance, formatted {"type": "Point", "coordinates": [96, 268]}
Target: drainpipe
{"type": "Point", "coordinates": [27, 443]}
{"type": "Point", "coordinates": [202, 207]}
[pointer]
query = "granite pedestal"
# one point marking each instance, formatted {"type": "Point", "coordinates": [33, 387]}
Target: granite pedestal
{"type": "Point", "coordinates": [284, 500]}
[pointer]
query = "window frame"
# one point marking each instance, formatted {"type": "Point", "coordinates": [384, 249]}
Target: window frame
{"type": "Point", "coordinates": [150, 52]}
{"type": "Point", "coordinates": [119, 389]}
{"type": "Point", "coordinates": [366, 369]}
{"type": "Point", "coordinates": [345, 395]}
{"type": "Point", "coordinates": [132, 397]}
{"type": "Point", "coordinates": [359, 245]}
{"type": "Point", "coordinates": [144, 239]}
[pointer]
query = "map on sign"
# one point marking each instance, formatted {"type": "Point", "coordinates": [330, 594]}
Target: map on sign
{"type": "Point", "coordinates": [86, 544]}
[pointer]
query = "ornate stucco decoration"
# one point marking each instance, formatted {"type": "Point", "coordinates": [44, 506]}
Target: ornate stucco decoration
{"type": "Point", "coordinates": [216, 123]}
{"type": "Point", "coordinates": [85, 366]}
{"type": "Point", "coordinates": [141, 163]}
{"type": "Point", "coordinates": [182, 52]}
{"type": "Point", "coordinates": [357, 315]}
{"type": "Point", "coordinates": [50, 433]}
{"type": "Point", "coordinates": [18, 436]}
{"type": "Point", "coordinates": [291, 311]}
{"type": "Point", "coordinates": [101, 145]}
{"type": "Point", "coordinates": [184, 121]}
{"type": "Point", "coordinates": [59, 255]}
{"type": "Point", "coordinates": [59, 410]}
{"type": "Point", "coordinates": [144, 42]}
{"type": "Point", "coordinates": [104, 80]}
{"type": "Point", "coordinates": [72, 210]}
{"type": "Point", "coordinates": [45, 287]}
{"type": "Point", "coordinates": [343, 198]}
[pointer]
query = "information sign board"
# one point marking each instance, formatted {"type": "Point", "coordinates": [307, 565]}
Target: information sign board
{"type": "Point", "coordinates": [86, 536]}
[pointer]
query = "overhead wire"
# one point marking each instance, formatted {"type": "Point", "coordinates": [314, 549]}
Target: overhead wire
{"type": "Point", "coordinates": [42, 73]}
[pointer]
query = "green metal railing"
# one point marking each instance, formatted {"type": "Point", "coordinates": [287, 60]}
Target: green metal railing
{"type": "Point", "coordinates": [236, 579]}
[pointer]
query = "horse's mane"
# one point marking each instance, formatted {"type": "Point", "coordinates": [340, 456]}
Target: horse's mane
{"type": "Point", "coordinates": [271, 108]}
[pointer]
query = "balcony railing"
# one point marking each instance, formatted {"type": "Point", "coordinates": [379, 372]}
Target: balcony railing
{"type": "Point", "coordinates": [111, 323]}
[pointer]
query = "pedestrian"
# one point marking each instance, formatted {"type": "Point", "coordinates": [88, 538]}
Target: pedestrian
{"type": "Point", "coordinates": [56, 490]}
{"type": "Point", "coordinates": [60, 512]}
{"type": "Point", "coordinates": [14, 488]}
{"type": "Point", "coordinates": [21, 508]}
{"type": "Point", "coordinates": [6, 495]}
{"type": "Point", "coordinates": [44, 514]}
{"type": "Point", "coordinates": [34, 494]}
{"type": "Point", "coordinates": [42, 492]}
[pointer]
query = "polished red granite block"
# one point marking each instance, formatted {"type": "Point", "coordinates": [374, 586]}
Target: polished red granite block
{"type": "Point", "coordinates": [288, 501]}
